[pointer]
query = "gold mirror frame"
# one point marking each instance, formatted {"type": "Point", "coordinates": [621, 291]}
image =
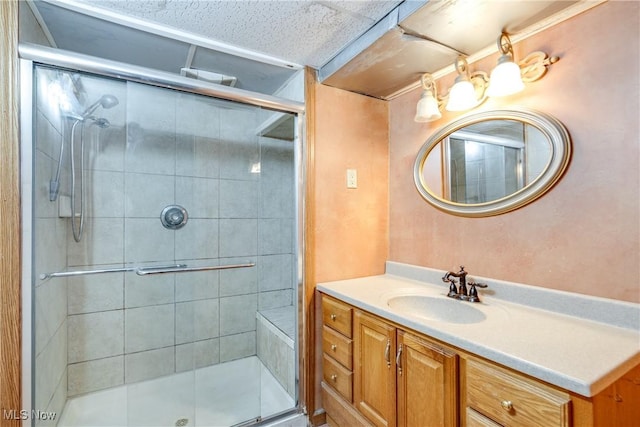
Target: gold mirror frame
{"type": "Point", "coordinates": [551, 128]}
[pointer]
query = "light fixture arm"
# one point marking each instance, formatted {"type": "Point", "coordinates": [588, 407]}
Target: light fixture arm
{"type": "Point", "coordinates": [480, 80]}
{"type": "Point", "coordinates": [535, 65]}
{"type": "Point", "coordinates": [429, 85]}
{"type": "Point", "coordinates": [504, 45]}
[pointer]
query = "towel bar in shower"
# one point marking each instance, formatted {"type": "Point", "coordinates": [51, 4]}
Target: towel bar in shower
{"type": "Point", "coordinates": [143, 271]}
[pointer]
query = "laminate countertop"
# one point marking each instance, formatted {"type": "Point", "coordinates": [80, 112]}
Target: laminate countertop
{"type": "Point", "coordinates": [580, 343]}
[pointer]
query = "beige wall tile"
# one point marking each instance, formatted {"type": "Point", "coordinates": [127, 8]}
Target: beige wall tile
{"type": "Point", "coordinates": [88, 294]}
{"type": "Point", "coordinates": [149, 327]}
{"type": "Point", "coordinates": [149, 364]}
{"type": "Point", "coordinates": [95, 375]}
{"type": "Point", "coordinates": [95, 335]}
{"type": "Point", "coordinates": [238, 314]}
{"type": "Point", "coordinates": [237, 346]}
{"type": "Point", "coordinates": [51, 365]}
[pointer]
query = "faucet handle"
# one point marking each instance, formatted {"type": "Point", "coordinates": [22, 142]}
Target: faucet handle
{"type": "Point", "coordinates": [479, 285]}
{"type": "Point", "coordinates": [473, 292]}
{"type": "Point", "coordinates": [453, 290]}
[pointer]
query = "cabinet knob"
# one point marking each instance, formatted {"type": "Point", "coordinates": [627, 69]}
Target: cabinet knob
{"type": "Point", "coordinates": [334, 347]}
{"type": "Point", "coordinates": [506, 405]}
{"type": "Point", "coordinates": [334, 378]}
{"type": "Point", "coordinates": [333, 317]}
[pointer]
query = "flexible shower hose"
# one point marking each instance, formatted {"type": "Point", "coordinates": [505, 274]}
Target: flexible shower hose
{"type": "Point", "coordinates": [75, 227]}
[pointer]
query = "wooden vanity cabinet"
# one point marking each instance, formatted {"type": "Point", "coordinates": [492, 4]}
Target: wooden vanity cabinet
{"type": "Point", "coordinates": [378, 373]}
{"type": "Point", "coordinates": [401, 378]}
{"type": "Point", "coordinates": [511, 399]}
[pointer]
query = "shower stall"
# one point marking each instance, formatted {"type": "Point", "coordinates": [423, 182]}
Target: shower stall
{"type": "Point", "coordinates": [161, 247]}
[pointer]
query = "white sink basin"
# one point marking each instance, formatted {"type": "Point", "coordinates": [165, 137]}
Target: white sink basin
{"type": "Point", "coordinates": [442, 309]}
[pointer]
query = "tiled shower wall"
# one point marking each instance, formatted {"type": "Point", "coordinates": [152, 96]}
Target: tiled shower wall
{"type": "Point", "coordinates": [50, 254]}
{"type": "Point", "coordinates": [164, 147]}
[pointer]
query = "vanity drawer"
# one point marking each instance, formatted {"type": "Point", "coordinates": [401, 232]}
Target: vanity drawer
{"type": "Point", "coordinates": [337, 315]}
{"type": "Point", "coordinates": [514, 400]}
{"type": "Point", "coordinates": [337, 346]}
{"type": "Point", "coordinates": [476, 419]}
{"type": "Point", "coordinates": [338, 377]}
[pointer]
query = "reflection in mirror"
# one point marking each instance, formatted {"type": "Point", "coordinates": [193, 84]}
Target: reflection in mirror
{"type": "Point", "coordinates": [492, 162]}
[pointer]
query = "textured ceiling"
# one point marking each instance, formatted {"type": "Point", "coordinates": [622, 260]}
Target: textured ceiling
{"type": "Point", "coordinates": [303, 32]}
{"type": "Point", "coordinates": [375, 47]}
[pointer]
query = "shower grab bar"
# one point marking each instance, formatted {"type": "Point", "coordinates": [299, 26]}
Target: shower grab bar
{"type": "Point", "coordinates": [184, 269]}
{"type": "Point", "coordinates": [143, 271]}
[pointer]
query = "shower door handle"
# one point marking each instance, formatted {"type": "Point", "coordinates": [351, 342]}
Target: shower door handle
{"type": "Point", "coordinates": [74, 273]}
{"type": "Point", "coordinates": [143, 271]}
{"type": "Point", "coordinates": [184, 269]}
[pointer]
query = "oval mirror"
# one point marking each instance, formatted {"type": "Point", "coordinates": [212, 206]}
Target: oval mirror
{"type": "Point", "coordinates": [492, 162]}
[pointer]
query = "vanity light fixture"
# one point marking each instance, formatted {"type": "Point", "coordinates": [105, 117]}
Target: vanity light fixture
{"type": "Point", "coordinates": [472, 89]}
{"type": "Point", "coordinates": [428, 109]}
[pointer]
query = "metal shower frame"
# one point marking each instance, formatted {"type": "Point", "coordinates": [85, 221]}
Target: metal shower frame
{"type": "Point", "coordinates": [30, 55]}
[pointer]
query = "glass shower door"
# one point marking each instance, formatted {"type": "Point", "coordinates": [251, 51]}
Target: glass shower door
{"type": "Point", "coordinates": [174, 230]}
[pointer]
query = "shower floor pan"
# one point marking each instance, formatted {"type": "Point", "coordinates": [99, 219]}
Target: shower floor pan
{"type": "Point", "coordinates": [224, 395]}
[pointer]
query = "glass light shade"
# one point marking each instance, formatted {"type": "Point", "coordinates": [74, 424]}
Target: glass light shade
{"type": "Point", "coordinates": [505, 78]}
{"type": "Point", "coordinates": [462, 96]}
{"type": "Point", "coordinates": [427, 109]}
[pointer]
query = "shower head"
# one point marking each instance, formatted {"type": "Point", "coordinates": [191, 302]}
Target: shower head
{"type": "Point", "coordinates": [106, 101]}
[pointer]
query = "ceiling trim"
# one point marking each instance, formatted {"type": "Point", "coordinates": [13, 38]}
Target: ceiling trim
{"type": "Point", "coordinates": [172, 33]}
{"type": "Point", "coordinates": [536, 28]}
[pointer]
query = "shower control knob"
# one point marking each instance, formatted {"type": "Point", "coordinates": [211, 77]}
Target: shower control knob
{"type": "Point", "coordinates": [174, 217]}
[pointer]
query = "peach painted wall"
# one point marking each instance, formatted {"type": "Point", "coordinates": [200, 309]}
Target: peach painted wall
{"type": "Point", "coordinates": [350, 234]}
{"type": "Point", "coordinates": [584, 235]}
{"type": "Point", "coordinates": [351, 132]}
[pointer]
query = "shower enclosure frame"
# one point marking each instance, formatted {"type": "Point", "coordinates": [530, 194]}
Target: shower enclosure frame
{"type": "Point", "coordinates": [32, 55]}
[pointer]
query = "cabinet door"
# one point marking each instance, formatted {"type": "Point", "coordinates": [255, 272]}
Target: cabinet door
{"type": "Point", "coordinates": [375, 370]}
{"type": "Point", "coordinates": [427, 383]}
